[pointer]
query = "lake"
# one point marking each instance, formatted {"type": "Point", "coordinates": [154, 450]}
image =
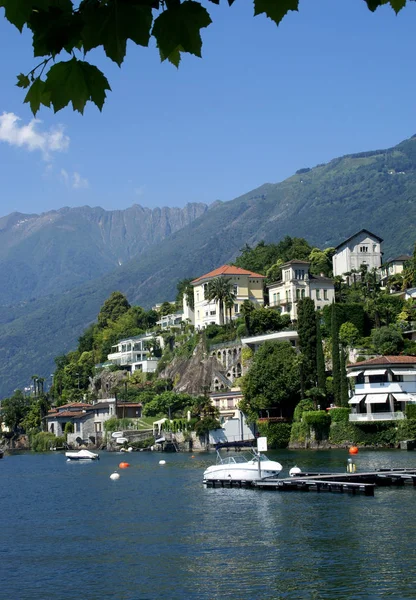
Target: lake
{"type": "Point", "coordinates": [69, 532]}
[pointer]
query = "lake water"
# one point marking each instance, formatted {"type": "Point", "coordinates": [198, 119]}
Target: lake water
{"type": "Point", "coordinates": [68, 532]}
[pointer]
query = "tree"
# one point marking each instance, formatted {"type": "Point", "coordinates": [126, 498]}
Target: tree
{"type": "Point", "coordinates": [185, 290]}
{"type": "Point", "coordinates": [220, 290]}
{"type": "Point", "coordinates": [247, 309]}
{"type": "Point", "coordinates": [336, 373]}
{"type": "Point", "coordinates": [387, 340]}
{"type": "Point", "coordinates": [66, 28]}
{"type": "Point", "coordinates": [348, 334]}
{"type": "Point", "coordinates": [307, 342]}
{"type": "Point", "coordinates": [320, 360]}
{"type": "Point", "coordinates": [168, 403]}
{"type": "Point", "coordinates": [166, 309]}
{"type": "Point", "coordinates": [344, 396]}
{"type": "Point", "coordinates": [272, 381]}
{"type": "Point", "coordinates": [14, 410]}
{"type": "Point", "coordinates": [264, 320]}
{"type": "Point", "coordinates": [115, 306]}
{"type": "Point", "coordinates": [321, 261]}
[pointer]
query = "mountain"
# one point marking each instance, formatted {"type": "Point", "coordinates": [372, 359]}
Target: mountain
{"type": "Point", "coordinates": [326, 204]}
{"type": "Point", "coordinates": [60, 249]}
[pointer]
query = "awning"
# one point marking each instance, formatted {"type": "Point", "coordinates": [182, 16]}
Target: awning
{"type": "Point", "coordinates": [355, 399]}
{"type": "Point", "coordinates": [404, 372]}
{"type": "Point", "coordinates": [376, 398]}
{"type": "Point", "coordinates": [354, 374]}
{"type": "Point", "coordinates": [402, 397]}
{"type": "Point", "coordinates": [375, 372]}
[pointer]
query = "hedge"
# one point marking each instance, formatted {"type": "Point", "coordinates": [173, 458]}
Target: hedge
{"type": "Point", "coordinates": [411, 411]}
{"type": "Point", "coordinates": [339, 415]}
{"type": "Point", "coordinates": [278, 434]}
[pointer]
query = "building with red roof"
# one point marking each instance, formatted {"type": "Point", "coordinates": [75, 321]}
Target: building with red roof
{"type": "Point", "coordinates": [243, 285]}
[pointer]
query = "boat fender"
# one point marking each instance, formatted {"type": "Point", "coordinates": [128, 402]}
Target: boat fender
{"type": "Point", "coordinates": [295, 471]}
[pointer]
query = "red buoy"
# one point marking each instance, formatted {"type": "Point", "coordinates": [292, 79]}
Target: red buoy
{"type": "Point", "coordinates": [123, 465]}
{"type": "Point", "coordinates": [353, 450]}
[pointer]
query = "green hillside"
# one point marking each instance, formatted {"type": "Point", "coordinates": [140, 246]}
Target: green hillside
{"type": "Point", "coordinates": [326, 204]}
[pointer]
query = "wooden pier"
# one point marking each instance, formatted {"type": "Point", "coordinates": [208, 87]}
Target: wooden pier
{"type": "Point", "coordinates": [352, 483]}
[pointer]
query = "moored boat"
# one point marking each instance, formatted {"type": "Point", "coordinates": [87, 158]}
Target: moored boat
{"type": "Point", "coordinates": [242, 466]}
{"type": "Point", "coordinates": [82, 455]}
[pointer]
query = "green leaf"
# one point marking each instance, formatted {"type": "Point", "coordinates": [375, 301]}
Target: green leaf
{"type": "Point", "coordinates": [178, 29]}
{"type": "Point", "coordinates": [23, 81]}
{"type": "Point", "coordinates": [18, 12]}
{"type": "Point", "coordinates": [113, 23]}
{"type": "Point", "coordinates": [397, 5]}
{"type": "Point", "coordinates": [275, 9]}
{"type": "Point", "coordinates": [55, 29]}
{"type": "Point", "coordinates": [37, 95]}
{"type": "Point", "coordinates": [77, 82]}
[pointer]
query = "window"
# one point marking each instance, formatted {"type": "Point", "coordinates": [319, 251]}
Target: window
{"type": "Point", "coordinates": [318, 294]}
{"type": "Point", "coordinates": [297, 294]}
{"type": "Point", "coordinates": [325, 294]}
{"type": "Point", "coordinates": [274, 299]}
{"type": "Point", "coordinates": [235, 289]}
{"type": "Point", "coordinates": [278, 298]}
{"type": "Point", "coordinates": [287, 275]}
{"type": "Point", "coordinates": [374, 247]}
{"type": "Point", "coordinates": [300, 274]}
{"type": "Point", "coordinates": [236, 308]}
{"type": "Point", "coordinates": [197, 296]}
{"type": "Point", "coordinates": [302, 294]}
{"type": "Point", "coordinates": [363, 248]}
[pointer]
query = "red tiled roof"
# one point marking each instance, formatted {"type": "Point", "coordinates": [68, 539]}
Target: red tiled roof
{"type": "Point", "coordinates": [386, 360]}
{"type": "Point", "coordinates": [66, 414]}
{"type": "Point", "coordinates": [227, 270]}
{"type": "Point", "coordinates": [120, 403]}
{"type": "Point", "coordinates": [74, 405]}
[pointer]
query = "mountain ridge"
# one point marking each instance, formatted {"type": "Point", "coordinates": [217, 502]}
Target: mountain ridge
{"type": "Point", "coordinates": [326, 204]}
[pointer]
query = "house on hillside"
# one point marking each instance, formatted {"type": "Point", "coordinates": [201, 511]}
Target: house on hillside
{"type": "Point", "coordinates": [233, 421]}
{"type": "Point", "coordinates": [247, 285]}
{"type": "Point", "coordinates": [297, 283]}
{"type": "Point", "coordinates": [136, 353]}
{"type": "Point", "coordinates": [362, 248]}
{"type": "Point", "coordinates": [383, 387]}
{"type": "Point", "coordinates": [392, 267]}
{"type": "Point", "coordinates": [76, 413]}
{"type": "Point", "coordinates": [174, 320]}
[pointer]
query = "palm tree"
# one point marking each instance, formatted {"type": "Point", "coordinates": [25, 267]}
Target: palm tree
{"type": "Point", "coordinates": [221, 291]}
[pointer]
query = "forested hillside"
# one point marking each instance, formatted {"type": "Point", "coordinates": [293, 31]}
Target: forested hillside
{"type": "Point", "coordinates": [326, 204]}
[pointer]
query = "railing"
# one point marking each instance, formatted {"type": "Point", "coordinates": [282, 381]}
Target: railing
{"type": "Point", "coordinates": [383, 416]}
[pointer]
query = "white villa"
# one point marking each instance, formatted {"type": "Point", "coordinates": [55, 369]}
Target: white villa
{"type": "Point", "coordinates": [135, 354]}
{"type": "Point", "coordinates": [171, 320]}
{"type": "Point", "coordinates": [362, 248]}
{"type": "Point", "coordinates": [392, 267]}
{"type": "Point", "coordinates": [247, 286]}
{"type": "Point", "coordinates": [297, 284]}
{"type": "Point", "coordinates": [383, 387]}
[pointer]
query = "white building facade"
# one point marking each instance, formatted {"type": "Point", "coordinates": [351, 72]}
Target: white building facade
{"type": "Point", "coordinates": [362, 248]}
{"type": "Point", "coordinates": [297, 284]}
{"type": "Point", "coordinates": [247, 285]}
{"type": "Point", "coordinates": [136, 353]}
{"type": "Point", "coordinates": [383, 386]}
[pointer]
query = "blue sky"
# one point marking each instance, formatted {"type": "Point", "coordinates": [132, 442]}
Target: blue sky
{"type": "Point", "coordinates": [262, 103]}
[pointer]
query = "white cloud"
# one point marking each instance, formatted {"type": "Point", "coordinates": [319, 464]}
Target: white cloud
{"type": "Point", "coordinates": [79, 182]}
{"type": "Point", "coordinates": [75, 180]}
{"type": "Point", "coordinates": [31, 137]}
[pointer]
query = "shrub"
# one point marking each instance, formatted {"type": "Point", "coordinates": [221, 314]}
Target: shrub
{"type": "Point", "coordinates": [278, 434]}
{"type": "Point", "coordinates": [316, 418]}
{"type": "Point", "coordinates": [44, 441]}
{"type": "Point", "coordinates": [299, 432]}
{"type": "Point", "coordinates": [303, 406]}
{"type": "Point", "coordinates": [411, 411]}
{"type": "Point", "coordinates": [69, 428]}
{"type": "Point", "coordinates": [406, 429]}
{"type": "Point", "coordinates": [339, 415]}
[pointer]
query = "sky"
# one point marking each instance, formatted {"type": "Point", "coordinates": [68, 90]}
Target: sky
{"type": "Point", "coordinates": [263, 101]}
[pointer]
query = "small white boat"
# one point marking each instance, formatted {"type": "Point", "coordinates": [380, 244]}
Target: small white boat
{"type": "Point", "coordinates": [82, 455]}
{"type": "Point", "coordinates": [117, 434]}
{"type": "Point", "coordinates": [242, 466]}
{"type": "Point", "coordinates": [121, 440]}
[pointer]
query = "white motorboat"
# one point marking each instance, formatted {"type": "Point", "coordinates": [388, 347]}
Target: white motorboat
{"type": "Point", "coordinates": [242, 466]}
{"type": "Point", "coordinates": [82, 455]}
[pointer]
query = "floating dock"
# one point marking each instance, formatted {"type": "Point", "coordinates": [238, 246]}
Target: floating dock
{"type": "Point", "coordinates": [352, 483]}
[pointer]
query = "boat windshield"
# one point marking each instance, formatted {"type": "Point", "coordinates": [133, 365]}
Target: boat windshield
{"type": "Point", "coordinates": [234, 459]}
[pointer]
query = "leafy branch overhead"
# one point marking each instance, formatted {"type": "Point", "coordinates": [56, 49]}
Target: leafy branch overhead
{"type": "Point", "coordinates": [62, 26]}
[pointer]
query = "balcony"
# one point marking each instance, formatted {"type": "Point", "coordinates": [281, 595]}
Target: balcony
{"type": "Point", "coordinates": [371, 417]}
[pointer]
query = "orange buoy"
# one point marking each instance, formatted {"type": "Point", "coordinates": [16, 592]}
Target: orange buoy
{"type": "Point", "coordinates": [192, 456]}
{"type": "Point", "coordinates": [353, 450]}
{"type": "Point", "coordinates": [123, 465]}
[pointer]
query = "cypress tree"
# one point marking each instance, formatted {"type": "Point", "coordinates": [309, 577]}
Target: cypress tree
{"type": "Point", "coordinates": [336, 373]}
{"type": "Point", "coordinates": [320, 360]}
{"type": "Point", "coordinates": [343, 379]}
{"type": "Point", "coordinates": [307, 341]}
